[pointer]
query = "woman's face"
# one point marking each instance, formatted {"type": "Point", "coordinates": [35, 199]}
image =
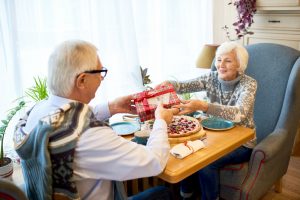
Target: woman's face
{"type": "Point", "coordinates": [227, 66]}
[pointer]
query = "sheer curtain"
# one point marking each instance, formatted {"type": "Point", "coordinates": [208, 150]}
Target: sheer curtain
{"type": "Point", "coordinates": [162, 35]}
{"type": "Point", "coordinates": [170, 35]}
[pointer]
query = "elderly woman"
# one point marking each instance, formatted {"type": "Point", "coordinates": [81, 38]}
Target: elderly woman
{"type": "Point", "coordinates": [231, 96]}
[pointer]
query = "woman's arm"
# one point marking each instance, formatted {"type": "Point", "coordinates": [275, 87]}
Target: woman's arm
{"type": "Point", "coordinates": [189, 86]}
{"type": "Point", "coordinates": [245, 97]}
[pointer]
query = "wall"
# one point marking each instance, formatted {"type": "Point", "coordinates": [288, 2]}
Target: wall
{"type": "Point", "coordinates": [223, 14]}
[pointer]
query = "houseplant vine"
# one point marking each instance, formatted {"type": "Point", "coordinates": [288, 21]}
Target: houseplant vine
{"type": "Point", "coordinates": [245, 13]}
{"type": "Point", "coordinates": [5, 122]}
{"type": "Point", "coordinates": [36, 93]}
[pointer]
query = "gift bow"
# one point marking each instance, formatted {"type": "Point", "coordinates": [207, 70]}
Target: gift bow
{"type": "Point", "coordinates": [152, 93]}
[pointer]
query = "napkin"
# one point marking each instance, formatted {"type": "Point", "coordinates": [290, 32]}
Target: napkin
{"type": "Point", "coordinates": [184, 149]}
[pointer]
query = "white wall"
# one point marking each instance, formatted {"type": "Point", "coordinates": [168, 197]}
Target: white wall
{"type": "Point", "coordinates": [223, 14]}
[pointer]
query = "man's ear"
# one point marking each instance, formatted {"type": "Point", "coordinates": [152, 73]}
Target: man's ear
{"type": "Point", "coordinates": [80, 81]}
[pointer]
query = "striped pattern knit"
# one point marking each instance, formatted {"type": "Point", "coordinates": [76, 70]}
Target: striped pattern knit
{"type": "Point", "coordinates": [230, 100]}
{"type": "Point", "coordinates": [47, 153]}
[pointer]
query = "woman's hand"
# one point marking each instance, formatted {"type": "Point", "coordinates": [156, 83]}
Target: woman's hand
{"type": "Point", "coordinates": [189, 106]}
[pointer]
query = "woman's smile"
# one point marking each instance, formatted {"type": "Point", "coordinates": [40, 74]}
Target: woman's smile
{"type": "Point", "coordinates": [227, 66]}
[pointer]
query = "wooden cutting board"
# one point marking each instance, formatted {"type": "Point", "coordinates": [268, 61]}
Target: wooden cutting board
{"type": "Point", "coordinates": [195, 136]}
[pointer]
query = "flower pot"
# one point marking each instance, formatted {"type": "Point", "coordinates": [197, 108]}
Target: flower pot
{"type": "Point", "coordinates": [6, 169]}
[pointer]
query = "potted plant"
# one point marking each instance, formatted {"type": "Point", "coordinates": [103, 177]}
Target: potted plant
{"type": "Point", "coordinates": [36, 93]}
{"type": "Point", "coordinates": [245, 13]}
{"type": "Point", "coordinates": [145, 78]}
{"type": "Point", "coordinates": [6, 164]}
{"type": "Point", "coordinates": [39, 91]}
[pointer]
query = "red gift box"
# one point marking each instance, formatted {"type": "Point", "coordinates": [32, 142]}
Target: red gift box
{"type": "Point", "coordinates": [147, 101]}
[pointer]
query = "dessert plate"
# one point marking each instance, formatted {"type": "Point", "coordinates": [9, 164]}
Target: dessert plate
{"type": "Point", "coordinates": [125, 128]}
{"type": "Point", "coordinates": [217, 124]}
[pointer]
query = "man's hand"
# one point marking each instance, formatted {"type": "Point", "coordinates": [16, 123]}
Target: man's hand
{"type": "Point", "coordinates": [122, 105]}
{"type": "Point", "coordinates": [165, 114]}
{"type": "Point", "coordinates": [189, 106]}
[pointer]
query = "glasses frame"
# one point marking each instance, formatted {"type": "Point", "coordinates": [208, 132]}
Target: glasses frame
{"type": "Point", "coordinates": [102, 71]}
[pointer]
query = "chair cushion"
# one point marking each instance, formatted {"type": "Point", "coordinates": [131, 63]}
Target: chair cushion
{"type": "Point", "coordinates": [232, 189]}
{"type": "Point", "coordinates": [9, 191]}
{"type": "Point", "coordinates": [238, 171]}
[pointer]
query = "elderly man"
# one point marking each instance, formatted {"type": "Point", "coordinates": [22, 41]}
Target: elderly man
{"type": "Point", "coordinates": [67, 151]}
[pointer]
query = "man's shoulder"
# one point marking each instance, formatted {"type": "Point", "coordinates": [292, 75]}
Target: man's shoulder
{"type": "Point", "coordinates": [67, 112]}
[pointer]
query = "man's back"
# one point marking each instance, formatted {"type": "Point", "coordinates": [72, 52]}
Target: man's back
{"type": "Point", "coordinates": [101, 155]}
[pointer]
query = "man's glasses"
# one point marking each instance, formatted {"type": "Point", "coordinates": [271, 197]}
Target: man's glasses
{"type": "Point", "coordinates": [102, 71]}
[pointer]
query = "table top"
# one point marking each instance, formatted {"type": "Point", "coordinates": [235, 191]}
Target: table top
{"type": "Point", "coordinates": [218, 144]}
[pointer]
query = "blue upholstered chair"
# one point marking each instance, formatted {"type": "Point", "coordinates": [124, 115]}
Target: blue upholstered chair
{"type": "Point", "coordinates": [9, 191]}
{"type": "Point", "coordinates": [277, 112]}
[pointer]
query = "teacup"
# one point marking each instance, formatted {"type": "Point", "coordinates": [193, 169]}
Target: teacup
{"type": "Point", "coordinates": [141, 137]}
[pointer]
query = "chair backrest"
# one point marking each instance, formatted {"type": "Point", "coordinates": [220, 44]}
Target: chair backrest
{"type": "Point", "coordinates": [9, 191]}
{"type": "Point", "coordinates": [276, 68]}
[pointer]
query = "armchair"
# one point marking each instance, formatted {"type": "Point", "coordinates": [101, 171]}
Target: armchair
{"type": "Point", "coordinates": [277, 112]}
{"type": "Point", "coordinates": [9, 191]}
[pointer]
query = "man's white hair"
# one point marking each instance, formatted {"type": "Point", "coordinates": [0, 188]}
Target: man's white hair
{"type": "Point", "coordinates": [240, 52]}
{"type": "Point", "coordinates": [67, 61]}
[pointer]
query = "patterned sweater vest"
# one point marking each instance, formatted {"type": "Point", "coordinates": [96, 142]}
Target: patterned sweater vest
{"type": "Point", "coordinates": [47, 153]}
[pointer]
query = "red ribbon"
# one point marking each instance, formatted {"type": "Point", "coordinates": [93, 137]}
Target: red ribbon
{"type": "Point", "coordinates": [188, 146]}
{"type": "Point", "coordinates": [152, 93]}
{"type": "Point", "coordinates": [141, 98]}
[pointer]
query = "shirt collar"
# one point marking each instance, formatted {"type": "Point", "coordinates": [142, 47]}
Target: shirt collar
{"type": "Point", "coordinates": [59, 101]}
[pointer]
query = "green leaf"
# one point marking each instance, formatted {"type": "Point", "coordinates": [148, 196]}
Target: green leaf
{"type": "Point", "coordinates": [22, 103]}
{"type": "Point", "coordinates": [9, 116]}
{"type": "Point", "coordinates": [13, 112]}
{"type": "Point", "coordinates": [145, 78]}
{"type": "Point", "coordinates": [2, 129]}
{"type": "Point", "coordinates": [5, 122]}
{"type": "Point", "coordinates": [39, 91]}
{"type": "Point", "coordinates": [186, 96]}
{"type": "Point", "coordinates": [36, 93]}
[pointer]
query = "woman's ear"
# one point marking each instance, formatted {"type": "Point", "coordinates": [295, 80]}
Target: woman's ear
{"type": "Point", "coordinates": [80, 81]}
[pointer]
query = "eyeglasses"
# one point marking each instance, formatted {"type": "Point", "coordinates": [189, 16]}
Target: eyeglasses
{"type": "Point", "coordinates": [102, 71]}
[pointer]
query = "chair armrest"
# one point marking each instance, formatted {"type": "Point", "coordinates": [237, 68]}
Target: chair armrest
{"type": "Point", "coordinates": [273, 144]}
{"type": "Point", "coordinates": [270, 152]}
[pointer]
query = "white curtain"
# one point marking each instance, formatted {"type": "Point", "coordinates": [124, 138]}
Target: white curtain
{"type": "Point", "coordinates": [162, 35]}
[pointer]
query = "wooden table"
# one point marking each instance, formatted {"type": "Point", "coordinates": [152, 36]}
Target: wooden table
{"type": "Point", "coordinates": [218, 144]}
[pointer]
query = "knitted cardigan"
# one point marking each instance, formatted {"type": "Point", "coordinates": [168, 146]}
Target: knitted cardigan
{"type": "Point", "coordinates": [47, 153]}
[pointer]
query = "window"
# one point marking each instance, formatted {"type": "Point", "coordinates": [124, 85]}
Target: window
{"type": "Point", "coordinates": [163, 35]}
